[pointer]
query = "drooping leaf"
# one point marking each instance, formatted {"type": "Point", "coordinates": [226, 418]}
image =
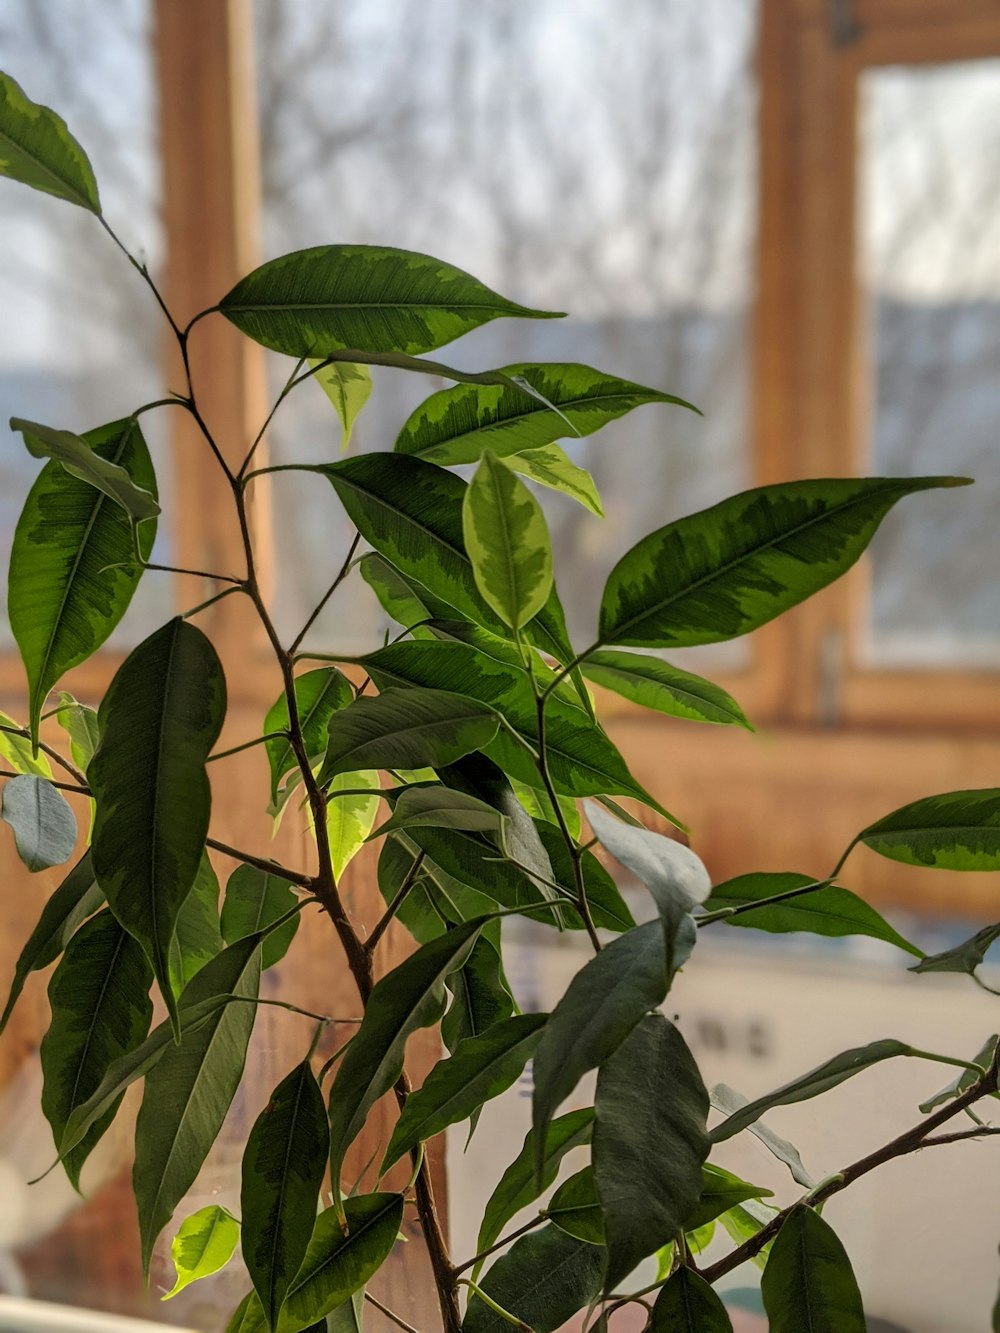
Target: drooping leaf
{"type": "Point", "coordinates": [99, 997]}
{"type": "Point", "coordinates": [543, 1280]}
{"type": "Point", "coordinates": [481, 996]}
{"type": "Point", "coordinates": [958, 830]}
{"type": "Point", "coordinates": [254, 900]}
{"type": "Point", "coordinates": [190, 1087]}
{"type": "Point", "coordinates": [820, 1079]}
{"type": "Point", "coordinates": [729, 1101]}
{"type": "Point", "coordinates": [826, 910]}
{"type": "Point", "coordinates": [205, 1242]}
{"type": "Point", "coordinates": [720, 1191]}
{"type": "Point", "coordinates": [456, 425]}
{"type": "Point", "coordinates": [81, 725]}
{"type": "Point", "coordinates": [608, 908]}
{"type": "Point", "coordinates": [197, 934]}
{"type": "Point", "coordinates": [16, 750]}
{"type": "Point", "coordinates": [966, 1077]}
{"type": "Point", "coordinates": [650, 1142]}
{"type": "Point", "coordinates": [656, 684]}
{"type": "Point", "coordinates": [408, 998]}
{"type": "Point", "coordinates": [373, 298]}
{"type": "Point", "coordinates": [348, 387]}
{"type": "Point", "coordinates": [688, 1304]}
{"type": "Point", "coordinates": [160, 717]}
{"type": "Point", "coordinates": [727, 570]}
{"type": "Point", "coordinates": [507, 540]}
{"type": "Point", "coordinates": [808, 1282]}
{"type": "Point", "coordinates": [406, 728]}
{"type": "Point", "coordinates": [481, 1069]}
{"type": "Point", "coordinates": [964, 957]}
{"type": "Point", "coordinates": [41, 820]}
{"type": "Point", "coordinates": [283, 1166]}
{"type": "Point", "coordinates": [520, 1184]}
{"type": "Point", "coordinates": [37, 149]}
{"type": "Point", "coordinates": [673, 873]}
{"type": "Point", "coordinates": [576, 1209]}
{"type": "Point", "coordinates": [82, 460]}
{"type": "Point", "coordinates": [349, 819]}
{"type": "Point", "coordinates": [318, 695]}
{"type": "Point", "coordinates": [76, 898]}
{"type": "Point", "coordinates": [440, 807]}
{"type": "Point", "coordinates": [73, 566]}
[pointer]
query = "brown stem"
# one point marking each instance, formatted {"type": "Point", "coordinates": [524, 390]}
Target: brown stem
{"type": "Point", "coordinates": [504, 1240]}
{"type": "Point", "coordinates": [262, 863]}
{"type": "Point", "coordinates": [390, 1314]}
{"type": "Point", "coordinates": [382, 924]}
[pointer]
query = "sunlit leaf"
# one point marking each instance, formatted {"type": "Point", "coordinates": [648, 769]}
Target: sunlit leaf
{"type": "Point", "coordinates": [254, 900]}
{"type": "Point", "coordinates": [401, 597]}
{"type": "Point", "coordinates": [318, 695]}
{"type": "Point", "coordinates": [656, 684]}
{"type": "Point", "coordinates": [41, 820]}
{"type": "Point", "coordinates": [349, 819]}
{"type": "Point", "coordinates": [507, 540]}
{"type": "Point", "coordinates": [37, 149]}
{"type": "Point", "coordinates": [197, 934]}
{"type": "Point", "coordinates": [81, 725]}
{"type": "Point", "coordinates": [958, 830]}
{"type": "Point", "coordinates": [205, 1242]}
{"type": "Point", "coordinates": [743, 1222]}
{"type": "Point", "coordinates": [543, 1280]}
{"type": "Point", "coordinates": [16, 751]}
{"type": "Point", "coordinates": [80, 459]}
{"type": "Point", "coordinates": [348, 387]}
{"type": "Point", "coordinates": [808, 1282]}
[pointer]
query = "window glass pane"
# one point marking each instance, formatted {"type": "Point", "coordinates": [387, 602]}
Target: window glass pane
{"type": "Point", "coordinates": [930, 253]}
{"type": "Point", "coordinates": [80, 335]}
{"type": "Point", "coordinates": [591, 158]}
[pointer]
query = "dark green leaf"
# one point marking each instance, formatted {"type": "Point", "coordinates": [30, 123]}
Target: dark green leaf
{"type": "Point", "coordinates": [401, 597]}
{"type": "Point", "coordinates": [283, 1167]}
{"type": "Point", "coordinates": [725, 571]}
{"type": "Point", "coordinates": [825, 910]}
{"type": "Point", "coordinates": [254, 900]}
{"type": "Point", "coordinates": [348, 387]}
{"type": "Point", "coordinates": [729, 1101]}
{"type": "Point", "coordinates": [656, 684]}
{"type": "Point", "coordinates": [408, 998]}
{"type": "Point", "coordinates": [37, 149]}
{"type": "Point", "coordinates": [966, 1077]}
{"type": "Point", "coordinates": [465, 869]}
{"type": "Point", "coordinates": [76, 898]}
{"type": "Point", "coordinates": [318, 695]}
{"type": "Point", "coordinates": [958, 830]}
{"type": "Point", "coordinates": [965, 957]}
{"type": "Point", "coordinates": [543, 1280]}
{"type": "Point", "coordinates": [687, 1304]}
{"type": "Point", "coordinates": [72, 564]}
{"type": "Point", "coordinates": [650, 1142]}
{"type": "Point", "coordinates": [81, 460]}
{"type": "Point", "coordinates": [456, 425]}
{"type": "Point", "coordinates": [720, 1191]}
{"type": "Point", "coordinates": [205, 1242]}
{"type": "Point", "coordinates": [99, 996]}
{"type": "Point", "coordinates": [808, 1282]}
{"type": "Point", "coordinates": [673, 874]}
{"type": "Point", "coordinates": [321, 300]}
{"type": "Point", "coordinates": [346, 1318]}
{"type": "Point", "coordinates": [159, 720]}
{"type": "Point", "coordinates": [576, 1209]}
{"type": "Point", "coordinates": [481, 1069]}
{"type": "Point", "coordinates": [551, 466]}
{"type": "Point", "coordinates": [197, 936]}
{"type": "Point", "coordinates": [438, 806]}
{"type": "Point", "coordinates": [42, 822]}
{"type": "Point", "coordinates": [480, 993]}
{"type": "Point", "coordinates": [608, 908]}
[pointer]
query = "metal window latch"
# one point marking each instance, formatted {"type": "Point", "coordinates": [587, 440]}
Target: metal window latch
{"type": "Point", "coordinates": [843, 24]}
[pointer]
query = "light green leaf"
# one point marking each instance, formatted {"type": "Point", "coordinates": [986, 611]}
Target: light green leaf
{"type": "Point", "coordinates": [966, 1077]}
{"type": "Point", "coordinates": [727, 570]}
{"type": "Point", "coordinates": [197, 936]}
{"type": "Point", "coordinates": [688, 1304]}
{"type": "Point", "coordinates": [81, 460]}
{"type": "Point", "coordinates": [666, 689]}
{"type": "Point", "coordinates": [729, 1101]}
{"type": "Point", "coordinates": [205, 1242]}
{"type": "Point", "coordinates": [37, 149]}
{"type": "Point", "coordinates": [456, 425]}
{"type": "Point", "coordinates": [254, 900]}
{"type": "Point", "coordinates": [744, 1221]}
{"type": "Point", "coordinates": [318, 695]}
{"type": "Point", "coordinates": [543, 1280]}
{"type": "Point", "coordinates": [160, 717]}
{"type": "Point", "coordinates": [81, 725]}
{"type": "Point", "coordinates": [283, 1167]}
{"type": "Point", "coordinates": [438, 806]}
{"type": "Point", "coordinates": [348, 386]}
{"type": "Point", "coordinates": [15, 749]}
{"type": "Point", "coordinates": [330, 297]}
{"type": "Point", "coordinates": [576, 1209]}
{"type": "Point", "coordinates": [401, 597]}
{"type": "Point", "coordinates": [808, 1282]}
{"type": "Point", "coordinates": [73, 567]}
{"type": "Point", "coordinates": [720, 1191]}
{"type": "Point", "coordinates": [551, 466]}
{"type": "Point", "coordinates": [481, 1069]}
{"type": "Point", "coordinates": [507, 539]}
{"type": "Point", "coordinates": [958, 830]}
{"type": "Point", "coordinates": [99, 997]}
{"type": "Point", "coordinates": [650, 1142]}
{"type": "Point", "coordinates": [42, 822]}
{"type": "Point", "coordinates": [965, 957]}
{"type": "Point", "coordinates": [349, 819]}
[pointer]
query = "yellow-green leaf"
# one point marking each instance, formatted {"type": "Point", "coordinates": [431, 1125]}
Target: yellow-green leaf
{"type": "Point", "coordinates": [204, 1243]}
{"type": "Point", "coordinates": [507, 540]}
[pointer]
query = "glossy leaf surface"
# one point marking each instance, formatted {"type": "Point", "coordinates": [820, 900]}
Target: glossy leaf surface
{"type": "Point", "coordinates": [37, 149]}
{"type": "Point", "coordinates": [254, 900]}
{"type": "Point", "coordinates": [551, 466]}
{"type": "Point", "coordinates": [438, 806]}
{"type": "Point", "coordinates": [318, 695]}
{"type": "Point", "coordinates": [349, 819]}
{"type": "Point", "coordinates": [543, 1280]}
{"type": "Point", "coordinates": [205, 1242]}
{"type": "Point", "coordinates": [41, 820]}
{"type": "Point", "coordinates": [958, 830]}
{"type": "Point", "coordinates": [83, 461]}
{"type": "Point", "coordinates": [687, 1304]}
{"type": "Point", "coordinates": [656, 684]}
{"type": "Point", "coordinates": [808, 1282]}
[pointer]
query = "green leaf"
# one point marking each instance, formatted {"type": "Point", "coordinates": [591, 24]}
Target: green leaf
{"type": "Point", "coordinates": [808, 1282]}
{"type": "Point", "coordinates": [456, 425]}
{"type": "Point", "coordinates": [438, 806]}
{"type": "Point", "coordinates": [673, 874]}
{"type": "Point", "coordinates": [318, 695]}
{"type": "Point", "coordinates": [401, 597]}
{"type": "Point", "coordinates": [826, 910]}
{"type": "Point", "coordinates": [744, 1221]}
{"type": "Point", "coordinates": [254, 900]}
{"type": "Point", "coordinates": [666, 689]}
{"type": "Point", "coordinates": [406, 728]}
{"type": "Point", "coordinates": [507, 540]}
{"type": "Point", "coordinates": [76, 898]}
{"type": "Point", "coordinates": [521, 1185]}
{"type": "Point", "coordinates": [190, 1087]}
{"type": "Point", "coordinates": [73, 567]}
{"type": "Point", "coordinates": [966, 1077]}
{"type": "Point", "coordinates": [83, 461]}
{"type": "Point", "coordinates": [725, 571]}
{"type": "Point", "coordinates": [650, 1142]}
{"type": "Point", "coordinates": [283, 1167]}
{"type": "Point", "coordinates": [687, 1304]}
{"type": "Point", "coordinates": [535, 801]}
{"type": "Point", "coordinates": [965, 957]}
{"type": "Point", "coordinates": [349, 819]}
{"type": "Point", "coordinates": [37, 149]}
{"type": "Point", "coordinates": [481, 1069]}
{"type": "Point", "coordinates": [551, 466]}
{"type": "Point", "coordinates": [41, 820]}
{"type": "Point", "coordinates": [816, 1081]}
{"type": "Point", "coordinates": [576, 1209]}
{"type": "Point", "coordinates": [720, 1191]}
{"type": "Point", "coordinates": [608, 908]}
{"type": "Point", "coordinates": [729, 1101]}
{"type": "Point", "coordinates": [331, 297]}
{"type": "Point", "coordinates": [16, 750]}
{"type": "Point", "coordinates": [348, 1317]}
{"type": "Point", "coordinates": [197, 935]}
{"type": "Point", "coordinates": [205, 1242]}
{"type": "Point", "coordinates": [958, 830]}
{"type": "Point", "coordinates": [481, 997]}
{"type": "Point", "coordinates": [99, 997]}
{"type": "Point", "coordinates": [408, 998]}
{"type": "Point", "coordinates": [348, 386]}
{"type": "Point", "coordinates": [160, 717]}
{"type": "Point", "coordinates": [81, 725]}
{"type": "Point", "coordinates": [466, 871]}
{"type": "Point", "coordinates": [543, 1280]}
